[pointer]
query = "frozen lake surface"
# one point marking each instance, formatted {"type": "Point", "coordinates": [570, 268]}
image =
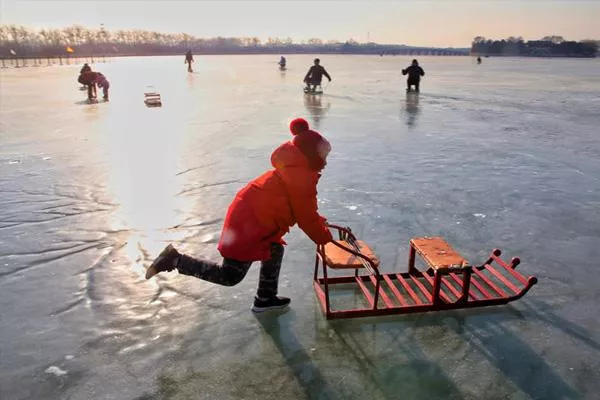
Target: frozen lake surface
{"type": "Point", "coordinates": [505, 154]}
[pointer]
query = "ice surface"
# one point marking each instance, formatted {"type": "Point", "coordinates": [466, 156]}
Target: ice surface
{"type": "Point", "coordinates": [505, 154]}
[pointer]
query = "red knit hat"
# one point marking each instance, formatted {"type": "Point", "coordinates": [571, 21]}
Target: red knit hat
{"type": "Point", "coordinates": [314, 146]}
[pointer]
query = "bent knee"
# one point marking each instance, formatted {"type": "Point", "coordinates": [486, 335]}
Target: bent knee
{"type": "Point", "coordinates": [233, 277]}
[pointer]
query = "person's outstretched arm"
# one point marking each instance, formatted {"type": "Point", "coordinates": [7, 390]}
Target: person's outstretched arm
{"type": "Point", "coordinates": [421, 71]}
{"type": "Point", "coordinates": [303, 199]}
{"type": "Point", "coordinates": [308, 74]}
{"type": "Point", "coordinates": [326, 74]}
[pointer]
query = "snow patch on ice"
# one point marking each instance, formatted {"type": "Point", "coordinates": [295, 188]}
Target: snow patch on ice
{"type": "Point", "coordinates": [53, 369]}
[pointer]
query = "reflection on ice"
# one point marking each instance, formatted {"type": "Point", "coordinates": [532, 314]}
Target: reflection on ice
{"type": "Point", "coordinates": [316, 109]}
{"type": "Point", "coordinates": [411, 108]}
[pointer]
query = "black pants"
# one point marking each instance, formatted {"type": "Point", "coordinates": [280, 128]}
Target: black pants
{"type": "Point", "coordinates": [91, 88]}
{"type": "Point", "coordinates": [231, 272]}
{"type": "Point", "coordinates": [413, 82]}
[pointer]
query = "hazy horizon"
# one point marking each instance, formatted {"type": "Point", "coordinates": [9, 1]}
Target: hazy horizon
{"type": "Point", "coordinates": [415, 23]}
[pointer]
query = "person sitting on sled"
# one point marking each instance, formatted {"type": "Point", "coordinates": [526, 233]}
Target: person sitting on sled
{"type": "Point", "coordinates": [415, 72]}
{"type": "Point", "coordinates": [260, 215]}
{"type": "Point", "coordinates": [315, 75]}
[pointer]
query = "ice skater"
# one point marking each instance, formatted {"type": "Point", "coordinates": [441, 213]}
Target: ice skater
{"type": "Point", "coordinates": [314, 76]}
{"type": "Point", "coordinates": [189, 59]}
{"type": "Point", "coordinates": [282, 62]}
{"type": "Point", "coordinates": [415, 72]}
{"type": "Point", "coordinates": [259, 216]}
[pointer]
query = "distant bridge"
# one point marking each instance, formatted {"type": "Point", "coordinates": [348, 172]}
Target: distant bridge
{"type": "Point", "coordinates": [428, 52]}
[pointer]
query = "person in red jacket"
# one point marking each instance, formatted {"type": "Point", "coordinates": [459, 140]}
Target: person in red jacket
{"type": "Point", "coordinates": [260, 215]}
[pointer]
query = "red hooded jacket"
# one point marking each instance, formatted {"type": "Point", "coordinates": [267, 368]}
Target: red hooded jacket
{"type": "Point", "coordinates": [263, 211]}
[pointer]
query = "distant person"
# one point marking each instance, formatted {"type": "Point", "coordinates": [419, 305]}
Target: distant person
{"type": "Point", "coordinates": [89, 79]}
{"type": "Point", "coordinates": [478, 60]}
{"type": "Point", "coordinates": [189, 59]}
{"type": "Point", "coordinates": [414, 75]}
{"type": "Point", "coordinates": [315, 75]}
{"type": "Point", "coordinates": [103, 83]}
{"type": "Point", "coordinates": [260, 215]}
{"type": "Point", "coordinates": [282, 62]}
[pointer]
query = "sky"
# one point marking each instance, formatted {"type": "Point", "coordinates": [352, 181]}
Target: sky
{"type": "Point", "coordinates": [443, 23]}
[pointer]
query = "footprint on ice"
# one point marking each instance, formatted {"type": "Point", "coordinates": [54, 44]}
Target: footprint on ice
{"type": "Point", "coordinates": [351, 208]}
{"type": "Point", "coordinates": [55, 371]}
{"type": "Point", "coordinates": [478, 215]}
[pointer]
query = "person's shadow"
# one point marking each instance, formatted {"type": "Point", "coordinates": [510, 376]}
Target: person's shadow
{"type": "Point", "coordinates": [411, 109]}
{"type": "Point", "coordinates": [314, 105]}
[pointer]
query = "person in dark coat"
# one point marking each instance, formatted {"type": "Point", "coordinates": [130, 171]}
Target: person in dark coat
{"type": "Point", "coordinates": [315, 75]}
{"type": "Point", "coordinates": [260, 215]}
{"type": "Point", "coordinates": [89, 79]}
{"type": "Point", "coordinates": [414, 72]}
{"type": "Point", "coordinates": [189, 59]}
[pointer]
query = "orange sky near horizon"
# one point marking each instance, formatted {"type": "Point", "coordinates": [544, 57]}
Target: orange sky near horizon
{"type": "Point", "coordinates": [443, 23]}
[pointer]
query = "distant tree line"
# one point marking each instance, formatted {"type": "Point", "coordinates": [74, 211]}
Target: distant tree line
{"type": "Point", "coordinates": [549, 46]}
{"type": "Point", "coordinates": [24, 42]}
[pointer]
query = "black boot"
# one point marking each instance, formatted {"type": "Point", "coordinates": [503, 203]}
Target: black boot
{"type": "Point", "coordinates": [167, 260]}
{"type": "Point", "coordinates": [273, 303]}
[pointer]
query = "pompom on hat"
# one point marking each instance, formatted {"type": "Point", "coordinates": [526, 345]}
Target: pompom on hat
{"type": "Point", "coordinates": [298, 125]}
{"type": "Point", "coordinates": [314, 146]}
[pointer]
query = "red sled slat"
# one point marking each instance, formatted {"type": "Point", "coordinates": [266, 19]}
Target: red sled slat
{"type": "Point", "coordinates": [501, 278]}
{"type": "Point", "coordinates": [422, 288]}
{"type": "Point", "coordinates": [395, 290]}
{"type": "Point", "coordinates": [384, 296]}
{"type": "Point", "coordinates": [410, 291]}
{"type": "Point", "coordinates": [489, 283]}
{"type": "Point", "coordinates": [442, 294]}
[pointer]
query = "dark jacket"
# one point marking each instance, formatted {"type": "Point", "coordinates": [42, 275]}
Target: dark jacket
{"type": "Point", "coordinates": [315, 74]}
{"type": "Point", "coordinates": [88, 78]}
{"type": "Point", "coordinates": [263, 211]}
{"type": "Point", "coordinates": [414, 72]}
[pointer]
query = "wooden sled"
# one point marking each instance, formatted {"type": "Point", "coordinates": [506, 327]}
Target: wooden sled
{"type": "Point", "coordinates": [152, 99]}
{"type": "Point", "coordinates": [449, 282]}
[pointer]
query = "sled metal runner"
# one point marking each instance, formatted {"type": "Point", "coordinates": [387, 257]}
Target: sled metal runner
{"type": "Point", "coordinates": [448, 283]}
